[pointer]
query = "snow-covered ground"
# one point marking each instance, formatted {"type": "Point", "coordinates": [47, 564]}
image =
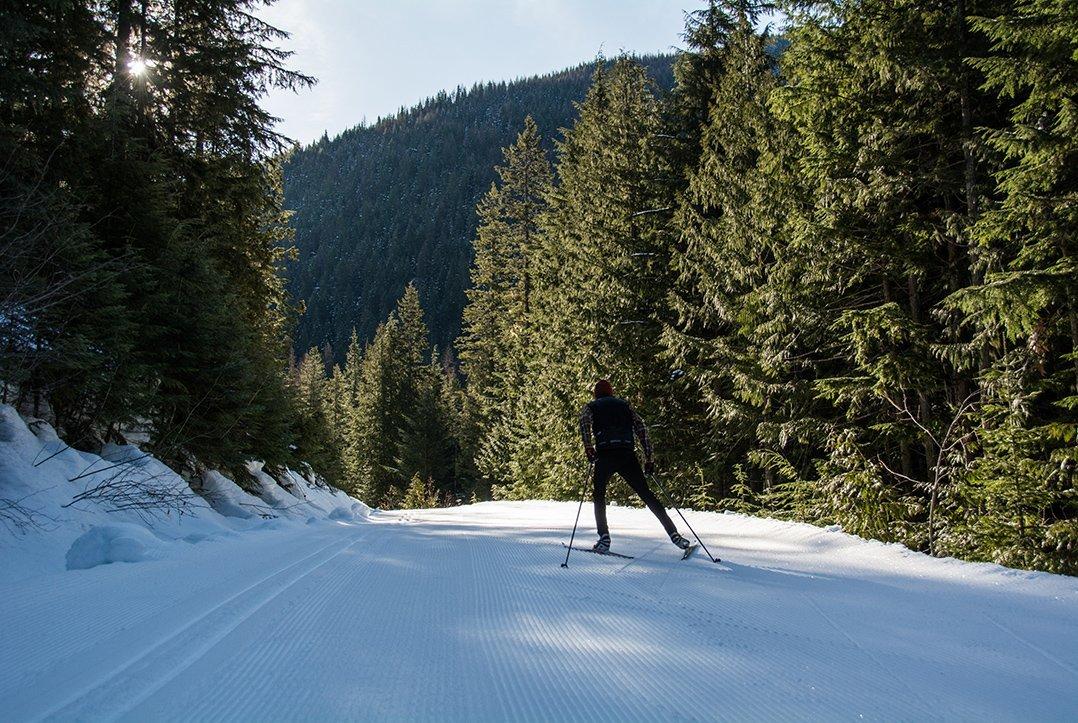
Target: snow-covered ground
{"type": "Point", "coordinates": [466, 614]}
{"type": "Point", "coordinates": [293, 601]}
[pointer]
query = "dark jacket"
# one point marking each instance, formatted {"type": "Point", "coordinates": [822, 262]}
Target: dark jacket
{"type": "Point", "coordinates": [614, 425]}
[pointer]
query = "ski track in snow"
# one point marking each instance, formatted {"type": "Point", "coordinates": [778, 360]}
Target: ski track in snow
{"type": "Point", "coordinates": [466, 614]}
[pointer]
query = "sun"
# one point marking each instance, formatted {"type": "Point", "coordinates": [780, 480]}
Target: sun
{"type": "Point", "coordinates": [139, 66]}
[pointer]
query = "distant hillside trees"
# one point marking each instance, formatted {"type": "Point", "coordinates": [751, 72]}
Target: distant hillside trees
{"type": "Point", "coordinates": [394, 416]}
{"type": "Point", "coordinates": [385, 205]}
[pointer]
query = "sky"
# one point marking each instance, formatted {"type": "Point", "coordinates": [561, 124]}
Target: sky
{"type": "Point", "coordinates": [373, 56]}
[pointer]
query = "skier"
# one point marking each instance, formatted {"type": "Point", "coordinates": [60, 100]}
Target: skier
{"type": "Point", "coordinates": [614, 425]}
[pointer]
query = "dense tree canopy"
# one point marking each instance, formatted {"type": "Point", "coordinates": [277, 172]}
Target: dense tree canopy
{"type": "Point", "coordinates": [840, 282]}
{"type": "Point", "coordinates": [142, 225]}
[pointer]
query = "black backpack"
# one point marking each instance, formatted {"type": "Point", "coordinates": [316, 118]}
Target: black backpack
{"type": "Point", "coordinates": [612, 423]}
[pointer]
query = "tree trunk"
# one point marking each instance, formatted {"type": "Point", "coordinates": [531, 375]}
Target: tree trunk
{"type": "Point", "coordinates": [965, 104]}
{"type": "Point", "coordinates": [915, 299]}
{"type": "Point", "coordinates": [924, 412]}
{"type": "Point", "coordinates": [969, 163]}
{"type": "Point", "coordinates": [1074, 340]}
{"type": "Point", "coordinates": [124, 20]}
{"type": "Point", "coordinates": [932, 518]}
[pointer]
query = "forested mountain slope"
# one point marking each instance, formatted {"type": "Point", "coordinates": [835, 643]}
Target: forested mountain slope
{"type": "Point", "coordinates": [380, 205]}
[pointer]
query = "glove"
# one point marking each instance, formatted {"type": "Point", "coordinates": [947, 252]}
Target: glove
{"type": "Point", "coordinates": [589, 452]}
{"type": "Point", "coordinates": [649, 466]}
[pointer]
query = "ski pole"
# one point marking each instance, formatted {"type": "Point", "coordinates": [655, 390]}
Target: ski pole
{"type": "Point", "coordinates": [583, 491]}
{"type": "Point", "coordinates": [655, 479]}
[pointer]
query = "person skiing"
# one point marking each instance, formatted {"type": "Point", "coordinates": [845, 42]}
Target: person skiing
{"type": "Point", "coordinates": [614, 425]}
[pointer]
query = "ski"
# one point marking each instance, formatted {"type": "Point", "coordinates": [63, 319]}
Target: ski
{"type": "Point", "coordinates": [596, 552]}
{"type": "Point", "coordinates": [685, 556]}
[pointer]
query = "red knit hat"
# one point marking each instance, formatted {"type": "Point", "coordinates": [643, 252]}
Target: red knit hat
{"type": "Point", "coordinates": [603, 388]}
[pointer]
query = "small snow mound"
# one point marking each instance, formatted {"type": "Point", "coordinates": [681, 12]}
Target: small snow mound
{"type": "Point", "coordinates": [43, 431]}
{"type": "Point", "coordinates": [106, 544]}
{"type": "Point", "coordinates": [124, 453]}
{"type": "Point", "coordinates": [226, 497]}
{"type": "Point", "coordinates": [342, 513]}
{"type": "Point", "coordinates": [833, 528]}
{"type": "Point", "coordinates": [15, 434]}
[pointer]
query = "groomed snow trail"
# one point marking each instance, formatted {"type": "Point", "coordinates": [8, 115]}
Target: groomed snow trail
{"type": "Point", "coordinates": [465, 614]}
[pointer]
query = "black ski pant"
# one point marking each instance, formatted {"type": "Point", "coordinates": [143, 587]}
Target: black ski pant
{"type": "Point", "coordinates": [625, 463]}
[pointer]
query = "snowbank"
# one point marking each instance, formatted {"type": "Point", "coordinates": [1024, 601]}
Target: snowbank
{"type": "Point", "coordinates": [226, 497]}
{"type": "Point", "coordinates": [111, 543]}
{"type": "Point", "coordinates": [61, 508]}
{"type": "Point", "coordinates": [323, 497]}
{"type": "Point", "coordinates": [294, 495]}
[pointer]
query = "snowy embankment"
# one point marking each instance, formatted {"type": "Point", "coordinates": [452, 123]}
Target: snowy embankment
{"type": "Point", "coordinates": [65, 509]}
{"type": "Point", "coordinates": [466, 614]}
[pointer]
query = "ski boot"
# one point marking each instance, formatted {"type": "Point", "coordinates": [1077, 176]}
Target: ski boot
{"type": "Point", "coordinates": [603, 545]}
{"type": "Point", "coordinates": [684, 545]}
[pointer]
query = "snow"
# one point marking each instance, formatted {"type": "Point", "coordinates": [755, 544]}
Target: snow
{"type": "Point", "coordinates": [50, 531]}
{"type": "Point", "coordinates": [465, 614]}
{"type": "Point", "coordinates": [227, 498]}
{"type": "Point", "coordinates": [105, 544]}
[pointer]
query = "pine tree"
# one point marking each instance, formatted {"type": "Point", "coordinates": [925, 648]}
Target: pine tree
{"type": "Point", "coordinates": [884, 110]}
{"type": "Point", "coordinates": [459, 418]}
{"type": "Point", "coordinates": [337, 408]}
{"type": "Point", "coordinates": [600, 289]}
{"type": "Point", "coordinates": [497, 336]}
{"type": "Point", "coordinates": [348, 430]}
{"type": "Point", "coordinates": [426, 443]}
{"type": "Point", "coordinates": [402, 425]}
{"type": "Point", "coordinates": [419, 495]}
{"type": "Point", "coordinates": [211, 61]}
{"type": "Point", "coordinates": [697, 72]}
{"type": "Point", "coordinates": [69, 329]}
{"type": "Point", "coordinates": [315, 443]}
{"type": "Point", "coordinates": [149, 117]}
{"type": "Point", "coordinates": [353, 362]}
{"type": "Point", "coordinates": [378, 417]}
{"type": "Point", "coordinates": [703, 499]}
{"type": "Point", "coordinates": [733, 333]}
{"type": "Point", "coordinates": [1018, 506]}
{"type": "Point", "coordinates": [414, 341]}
